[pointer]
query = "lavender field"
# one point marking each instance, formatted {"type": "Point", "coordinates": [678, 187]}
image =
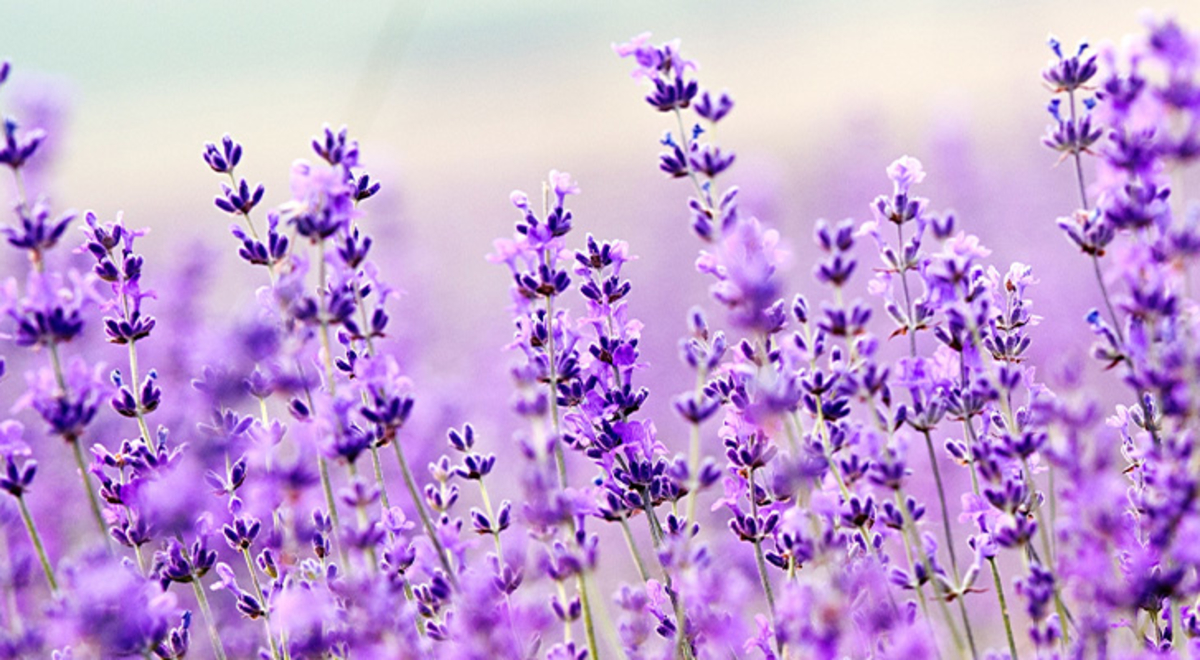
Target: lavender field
{"type": "Point", "coordinates": [451, 331]}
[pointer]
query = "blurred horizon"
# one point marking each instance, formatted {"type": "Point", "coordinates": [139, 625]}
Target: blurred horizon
{"type": "Point", "coordinates": [456, 103]}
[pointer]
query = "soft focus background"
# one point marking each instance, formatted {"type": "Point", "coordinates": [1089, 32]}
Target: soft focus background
{"type": "Point", "coordinates": [457, 103]}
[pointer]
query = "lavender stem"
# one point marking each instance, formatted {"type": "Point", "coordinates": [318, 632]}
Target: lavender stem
{"type": "Point", "coordinates": [37, 543]}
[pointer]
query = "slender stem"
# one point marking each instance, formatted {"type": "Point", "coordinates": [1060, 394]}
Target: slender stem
{"type": "Point", "coordinates": [1053, 510]}
{"type": "Point", "coordinates": [363, 521]}
{"type": "Point", "coordinates": [946, 527]}
{"type": "Point", "coordinates": [141, 560]}
{"type": "Point", "coordinates": [937, 477]}
{"type": "Point", "coordinates": [694, 449]}
{"type": "Point", "coordinates": [420, 506]}
{"type": "Point", "coordinates": [562, 596]}
{"type": "Point", "coordinates": [487, 506]}
{"type": "Point", "coordinates": [1078, 159]}
{"type": "Point", "coordinates": [370, 351]}
{"type": "Point", "coordinates": [327, 488]}
{"type": "Point", "coordinates": [687, 148]}
{"type": "Point", "coordinates": [261, 599]}
{"type": "Point", "coordinates": [22, 196]}
{"type": "Point", "coordinates": [410, 597]}
{"type": "Point", "coordinates": [136, 389]}
{"type": "Point", "coordinates": [323, 321]}
{"type": "Point", "coordinates": [1010, 421]}
{"type": "Point", "coordinates": [589, 628]}
{"type": "Point", "coordinates": [683, 648]}
{"type": "Point", "coordinates": [1008, 631]}
{"type": "Point", "coordinates": [323, 469]}
{"type": "Point", "coordinates": [607, 630]}
{"type": "Point", "coordinates": [1112, 314]}
{"type": "Point", "coordinates": [910, 330]}
{"type": "Point", "coordinates": [962, 612]}
{"type": "Point", "coordinates": [362, 315]}
{"type": "Point", "coordinates": [213, 634]}
{"type": "Point", "coordinates": [378, 468]}
{"type": "Point", "coordinates": [249, 224]}
{"type": "Point", "coordinates": [266, 424]}
{"type": "Point", "coordinates": [1043, 535]}
{"type": "Point", "coordinates": [920, 589]}
{"type": "Point", "coordinates": [56, 364]}
{"type": "Point", "coordinates": [560, 461]}
{"type": "Point", "coordinates": [491, 514]}
{"type": "Point", "coordinates": [134, 381]}
{"type": "Point", "coordinates": [93, 501]}
{"type": "Point", "coordinates": [761, 563]}
{"type": "Point", "coordinates": [970, 432]}
{"type": "Point", "coordinates": [918, 551]}
{"type": "Point", "coordinates": [1174, 622]}
{"type": "Point", "coordinates": [561, 464]}
{"type": "Point", "coordinates": [37, 543]}
{"type": "Point", "coordinates": [758, 553]}
{"type": "Point", "coordinates": [633, 550]}
{"type": "Point", "coordinates": [823, 432]}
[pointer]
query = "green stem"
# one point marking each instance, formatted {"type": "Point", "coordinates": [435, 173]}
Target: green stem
{"type": "Point", "coordinates": [249, 225]}
{"type": "Point", "coordinates": [562, 596]}
{"type": "Point", "coordinates": [136, 389]}
{"type": "Point", "coordinates": [758, 553]}
{"type": "Point", "coordinates": [323, 321]}
{"type": "Point", "coordinates": [378, 467]}
{"type": "Point", "coordinates": [323, 469]}
{"type": "Point", "coordinates": [487, 506]}
{"type": "Point", "coordinates": [420, 506]}
{"type": "Point", "coordinates": [561, 464]}
{"type": "Point", "coordinates": [1043, 536]}
{"type": "Point", "coordinates": [909, 329]}
{"type": "Point", "coordinates": [694, 449]}
{"type": "Point", "coordinates": [363, 521]}
{"type": "Point", "coordinates": [560, 461]}
{"type": "Point", "coordinates": [37, 543]}
{"type": "Point", "coordinates": [923, 557]}
{"type": "Point", "coordinates": [261, 599]}
{"type": "Point", "coordinates": [693, 470]}
{"type": "Point", "coordinates": [683, 135]}
{"type": "Point", "coordinates": [93, 501]}
{"type": "Point", "coordinates": [633, 550]}
{"type": "Point", "coordinates": [762, 565]}
{"type": "Point", "coordinates": [213, 634]}
{"type": "Point", "coordinates": [1008, 631]}
{"type": "Point", "coordinates": [56, 364]}
{"type": "Point", "coordinates": [937, 477]}
{"type": "Point", "coordinates": [589, 629]}
{"type": "Point", "coordinates": [327, 488]}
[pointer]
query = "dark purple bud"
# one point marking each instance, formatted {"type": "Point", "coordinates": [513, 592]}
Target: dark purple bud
{"type": "Point", "coordinates": [713, 111]}
{"type": "Point", "coordinates": [16, 480]}
{"type": "Point", "coordinates": [223, 159]}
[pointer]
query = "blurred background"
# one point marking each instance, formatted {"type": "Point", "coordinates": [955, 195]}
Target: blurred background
{"type": "Point", "coordinates": [457, 103]}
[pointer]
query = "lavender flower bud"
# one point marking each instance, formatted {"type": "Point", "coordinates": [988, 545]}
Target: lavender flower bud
{"type": "Point", "coordinates": [223, 159]}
